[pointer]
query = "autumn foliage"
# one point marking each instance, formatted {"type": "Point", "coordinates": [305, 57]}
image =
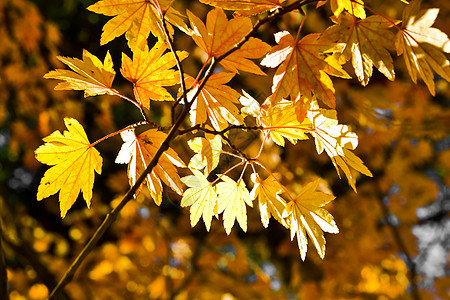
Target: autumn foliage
{"type": "Point", "coordinates": [236, 109]}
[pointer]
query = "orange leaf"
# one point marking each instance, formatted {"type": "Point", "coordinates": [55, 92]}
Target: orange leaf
{"type": "Point", "coordinates": [220, 35]}
{"type": "Point", "coordinates": [215, 101]}
{"type": "Point", "coordinates": [74, 161]}
{"type": "Point", "coordinates": [246, 7]}
{"type": "Point", "coordinates": [304, 68]}
{"type": "Point", "coordinates": [138, 151]}
{"type": "Point", "coordinates": [366, 42]}
{"type": "Point", "coordinates": [149, 71]}
{"type": "Point", "coordinates": [89, 74]}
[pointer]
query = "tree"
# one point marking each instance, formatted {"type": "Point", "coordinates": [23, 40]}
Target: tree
{"type": "Point", "coordinates": [209, 116]}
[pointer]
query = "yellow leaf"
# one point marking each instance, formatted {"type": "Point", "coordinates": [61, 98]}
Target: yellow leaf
{"type": "Point", "coordinates": [137, 18]}
{"type": "Point", "coordinates": [270, 202]}
{"type": "Point", "coordinates": [215, 101]}
{"type": "Point", "coordinates": [220, 35]}
{"type": "Point", "coordinates": [422, 46]}
{"type": "Point", "coordinates": [149, 71]}
{"type": "Point", "coordinates": [138, 151]}
{"type": "Point", "coordinates": [208, 153]}
{"type": "Point", "coordinates": [246, 7]}
{"type": "Point", "coordinates": [249, 105]}
{"type": "Point", "coordinates": [307, 216]}
{"type": "Point", "coordinates": [89, 74]}
{"type": "Point", "coordinates": [74, 161]}
{"type": "Point", "coordinates": [337, 140]}
{"type": "Point", "coordinates": [202, 198]}
{"type": "Point", "coordinates": [355, 7]}
{"type": "Point", "coordinates": [281, 121]}
{"type": "Point", "coordinates": [232, 199]}
{"type": "Point", "coordinates": [304, 68]}
{"type": "Point", "coordinates": [366, 42]}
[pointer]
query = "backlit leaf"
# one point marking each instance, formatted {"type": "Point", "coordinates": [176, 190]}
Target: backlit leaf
{"type": "Point", "coordinates": [337, 140]}
{"type": "Point", "coordinates": [215, 102]}
{"type": "Point", "coordinates": [138, 150]}
{"type": "Point", "coordinates": [232, 199]}
{"type": "Point", "coordinates": [303, 68]}
{"type": "Point", "coordinates": [149, 71]}
{"type": "Point", "coordinates": [246, 7]}
{"type": "Point", "coordinates": [366, 42]}
{"type": "Point", "coordinates": [137, 18]}
{"type": "Point", "coordinates": [74, 161]}
{"type": "Point", "coordinates": [208, 153]}
{"type": "Point", "coordinates": [201, 197]}
{"type": "Point", "coordinates": [270, 202]}
{"type": "Point", "coordinates": [422, 46]}
{"type": "Point", "coordinates": [220, 35]}
{"type": "Point", "coordinates": [89, 74]}
{"type": "Point", "coordinates": [281, 121]}
{"type": "Point", "coordinates": [307, 216]}
{"type": "Point", "coordinates": [354, 7]}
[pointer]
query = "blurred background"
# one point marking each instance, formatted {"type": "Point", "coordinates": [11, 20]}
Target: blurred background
{"type": "Point", "coordinates": [394, 238]}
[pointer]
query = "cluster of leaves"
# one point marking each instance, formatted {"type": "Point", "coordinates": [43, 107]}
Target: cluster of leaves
{"type": "Point", "coordinates": [292, 111]}
{"type": "Point", "coordinates": [302, 104]}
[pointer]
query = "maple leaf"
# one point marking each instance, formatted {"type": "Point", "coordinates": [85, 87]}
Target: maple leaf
{"type": "Point", "coordinates": [304, 68]}
{"type": "Point", "coordinates": [215, 101]}
{"type": "Point", "coordinates": [249, 105]}
{"type": "Point", "coordinates": [422, 45]}
{"type": "Point", "coordinates": [232, 199]}
{"type": "Point", "coordinates": [208, 153]}
{"type": "Point", "coordinates": [138, 151]}
{"type": "Point", "coordinates": [149, 71]}
{"type": "Point", "coordinates": [337, 140]}
{"type": "Point", "coordinates": [220, 35]}
{"type": "Point", "coordinates": [355, 7]}
{"type": "Point", "coordinates": [307, 216]}
{"type": "Point", "coordinates": [281, 121]}
{"type": "Point", "coordinates": [137, 18]}
{"type": "Point", "coordinates": [202, 198]}
{"type": "Point", "coordinates": [246, 7]}
{"type": "Point", "coordinates": [89, 74]}
{"type": "Point", "coordinates": [74, 161]}
{"type": "Point", "coordinates": [366, 42]}
{"type": "Point", "coordinates": [270, 202]}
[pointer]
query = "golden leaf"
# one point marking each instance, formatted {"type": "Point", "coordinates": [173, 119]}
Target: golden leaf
{"type": "Point", "coordinates": [307, 216]}
{"type": "Point", "coordinates": [422, 46]}
{"type": "Point", "coordinates": [246, 7]}
{"type": "Point", "coordinates": [366, 42]}
{"type": "Point", "coordinates": [355, 7]}
{"type": "Point", "coordinates": [215, 101]}
{"type": "Point", "coordinates": [89, 74]}
{"type": "Point", "coordinates": [208, 153]}
{"type": "Point", "coordinates": [270, 202]}
{"type": "Point", "coordinates": [74, 161]}
{"type": "Point", "coordinates": [137, 18]}
{"type": "Point", "coordinates": [149, 71]}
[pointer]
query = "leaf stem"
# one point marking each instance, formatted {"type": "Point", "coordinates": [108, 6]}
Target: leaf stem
{"type": "Point", "coordinates": [117, 132]}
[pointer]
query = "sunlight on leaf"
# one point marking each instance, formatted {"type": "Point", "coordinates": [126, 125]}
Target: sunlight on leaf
{"type": "Point", "coordinates": [89, 74]}
{"type": "Point", "coordinates": [74, 161]}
